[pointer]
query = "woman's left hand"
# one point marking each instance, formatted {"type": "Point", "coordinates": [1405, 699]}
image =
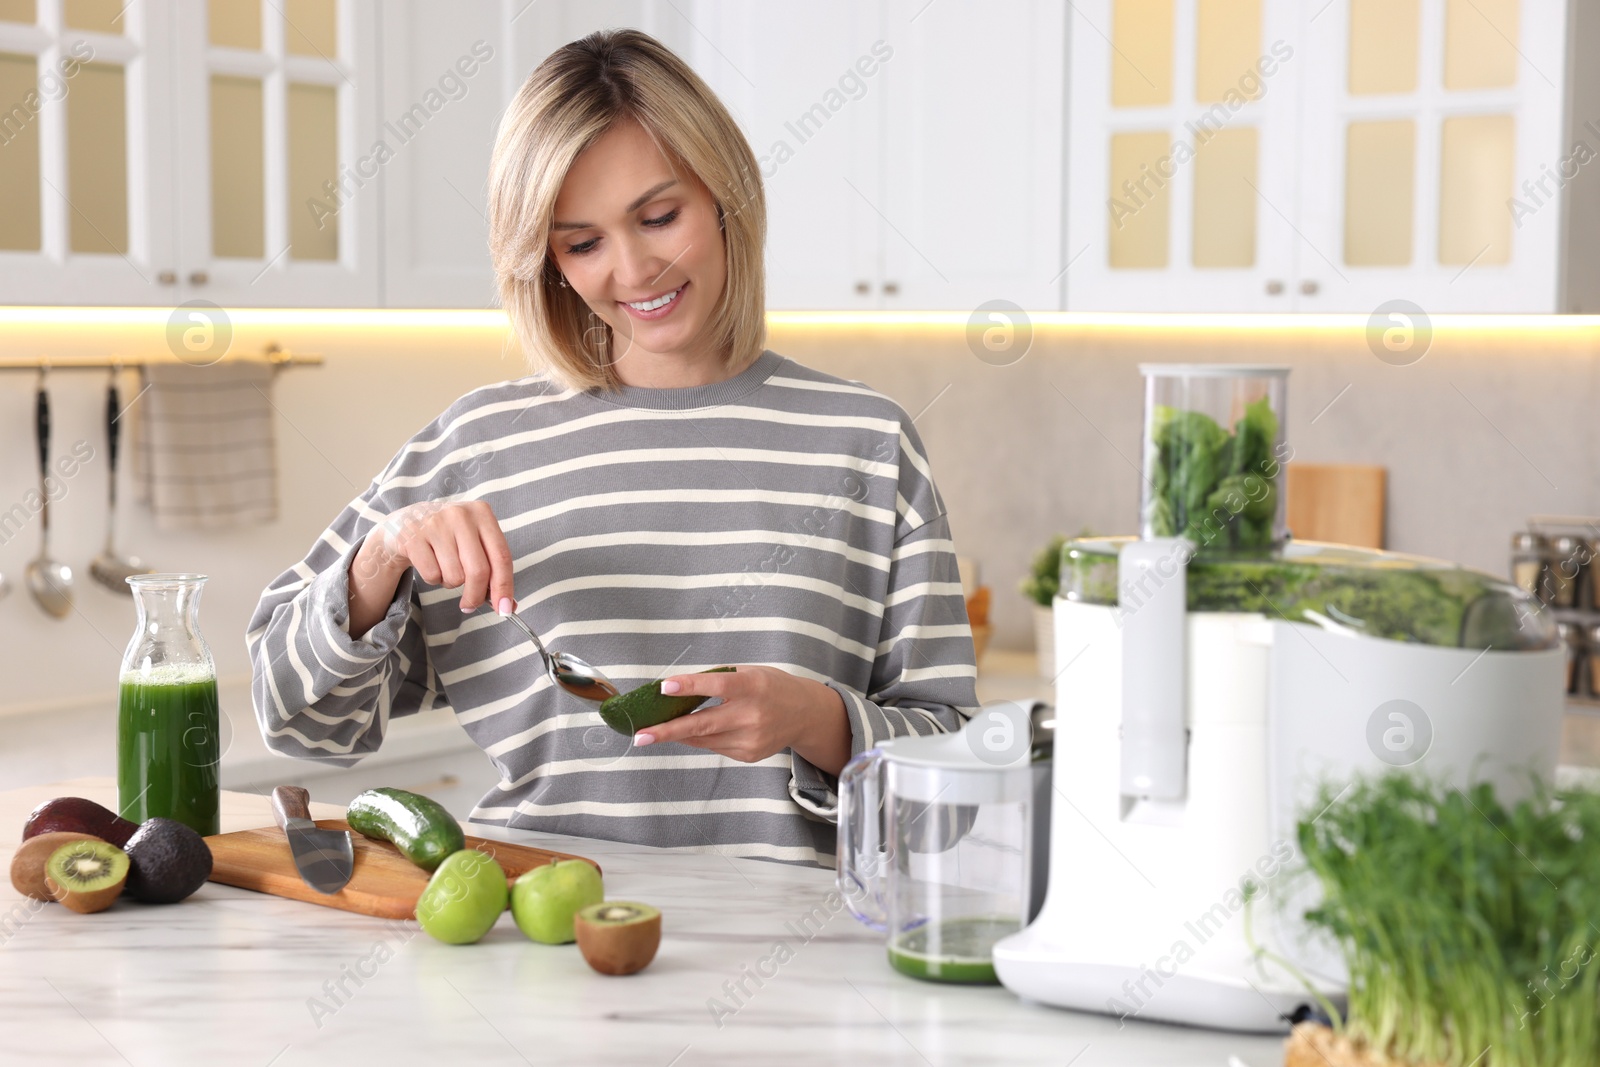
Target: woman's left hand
{"type": "Point", "coordinates": [764, 710]}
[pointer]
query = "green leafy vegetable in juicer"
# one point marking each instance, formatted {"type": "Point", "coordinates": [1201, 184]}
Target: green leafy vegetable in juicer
{"type": "Point", "coordinates": [1215, 488]}
{"type": "Point", "coordinates": [1360, 591]}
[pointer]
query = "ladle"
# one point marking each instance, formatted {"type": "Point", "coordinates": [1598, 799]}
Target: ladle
{"type": "Point", "coordinates": [108, 568]}
{"type": "Point", "coordinates": [49, 582]}
{"type": "Point", "coordinates": [568, 671]}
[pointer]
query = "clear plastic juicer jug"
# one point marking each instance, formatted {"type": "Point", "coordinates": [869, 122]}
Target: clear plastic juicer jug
{"type": "Point", "coordinates": [946, 871]}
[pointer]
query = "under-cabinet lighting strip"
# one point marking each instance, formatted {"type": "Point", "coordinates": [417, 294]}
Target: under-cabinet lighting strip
{"type": "Point", "coordinates": [492, 319]}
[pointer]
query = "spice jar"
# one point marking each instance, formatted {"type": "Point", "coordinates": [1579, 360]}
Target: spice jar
{"type": "Point", "coordinates": [1572, 639]}
{"type": "Point", "coordinates": [1594, 654]}
{"type": "Point", "coordinates": [1527, 560]}
{"type": "Point", "coordinates": [1563, 564]}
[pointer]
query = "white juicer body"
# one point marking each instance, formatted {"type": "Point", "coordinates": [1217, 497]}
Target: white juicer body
{"type": "Point", "coordinates": [1145, 912]}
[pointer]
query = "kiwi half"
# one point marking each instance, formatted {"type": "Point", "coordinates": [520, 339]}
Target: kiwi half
{"type": "Point", "coordinates": [618, 936]}
{"type": "Point", "coordinates": [27, 866]}
{"type": "Point", "coordinates": [86, 875]}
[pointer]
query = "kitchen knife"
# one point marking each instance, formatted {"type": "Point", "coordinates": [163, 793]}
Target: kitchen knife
{"type": "Point", "coordinates": [324, 858]}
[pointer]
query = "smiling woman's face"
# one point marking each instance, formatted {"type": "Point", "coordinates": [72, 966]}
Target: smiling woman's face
{"type": "Point", "coordinates": [629, 231]}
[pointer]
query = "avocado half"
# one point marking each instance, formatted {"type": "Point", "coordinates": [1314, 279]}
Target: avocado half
{"type": "Point", "coordinates": [647, 706]}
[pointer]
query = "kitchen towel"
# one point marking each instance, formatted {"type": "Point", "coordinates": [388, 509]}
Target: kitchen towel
{"type": "Point", "coordinates": [205, 454]}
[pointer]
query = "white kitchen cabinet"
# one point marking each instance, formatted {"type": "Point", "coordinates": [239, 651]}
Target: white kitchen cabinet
{"type": "Point", "coordinates": [469, 59]}
{"type": "Point", "coordinates": [187, 159]}
{"type": "Point", "coordinates": [86, 154]}
{"type": "Point", "coordinates": [1376, 154]}
{"type": "Point", "coordinates": [911, 152]}
{"type": "Point", "coordinates": [814, 120]}
{"type": "Point", "coordinates": [278, 152]}
{"type": "Point", "coordinates": [972, 147]}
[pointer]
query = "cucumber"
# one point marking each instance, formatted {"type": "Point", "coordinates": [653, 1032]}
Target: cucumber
{"type": "Point", "coordinates": [638, 709]}
{"type": "Point", "coordinates": [420, 828]}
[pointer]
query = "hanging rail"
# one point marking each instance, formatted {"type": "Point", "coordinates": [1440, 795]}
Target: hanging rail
{"type": "Point", "coordinates": [276, 355]}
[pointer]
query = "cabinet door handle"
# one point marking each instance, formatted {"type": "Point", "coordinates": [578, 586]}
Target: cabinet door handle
{"type": "Point", "coordinates": [198, 277]}
{"type": "Point", "coordinates": [168, 277]}
{"type": "Point", "coordinates": [863, 288]}
{"type": "Point", "coordinates": [1274, 287]}
{"type": "Point", "coordinates": [891, 288]}
{"type": "Point", "coordinates": [1309, 287]}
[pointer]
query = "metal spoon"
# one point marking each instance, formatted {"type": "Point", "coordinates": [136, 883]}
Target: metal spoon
{"type": "Point", "coordinates": [49, 582]}
{"type": "Point", "coordinates": [568, 671]}
{"type": "Point", "coordinates": [108, 568]}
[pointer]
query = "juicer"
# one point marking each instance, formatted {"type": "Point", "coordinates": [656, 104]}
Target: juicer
{"type": "Point", "coordinates": [1218, 682]}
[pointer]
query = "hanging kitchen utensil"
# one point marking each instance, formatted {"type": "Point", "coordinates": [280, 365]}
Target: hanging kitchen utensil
{"type": "Point", "coordinates": [568, 671]}
{"type": "Point", "coordinates": [49, 582]}
{"type": "Point", "coordinates": [108, 568]}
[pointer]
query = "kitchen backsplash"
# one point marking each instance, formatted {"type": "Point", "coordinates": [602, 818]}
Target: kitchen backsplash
{"type": "Point", "coordinates": [1492, 425]}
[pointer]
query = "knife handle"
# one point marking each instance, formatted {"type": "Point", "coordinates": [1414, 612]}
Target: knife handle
{"type": "Point", "coordinates": [290, 802]}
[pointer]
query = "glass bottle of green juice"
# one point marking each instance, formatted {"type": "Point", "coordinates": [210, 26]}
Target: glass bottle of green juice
{"type": "Point", "coordinates": [167, 718]}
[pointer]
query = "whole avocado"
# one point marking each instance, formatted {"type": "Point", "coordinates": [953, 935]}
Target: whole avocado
{"type": "Point", "coordinates": [167, 861]}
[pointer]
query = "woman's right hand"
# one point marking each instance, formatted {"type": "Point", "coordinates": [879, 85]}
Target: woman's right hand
{"type": "Point", "coordinates": [455, 544]}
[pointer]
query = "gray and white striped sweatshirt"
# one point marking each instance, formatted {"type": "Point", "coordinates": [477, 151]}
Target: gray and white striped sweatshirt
{"type": "Point", "coordinates": [783, 517]}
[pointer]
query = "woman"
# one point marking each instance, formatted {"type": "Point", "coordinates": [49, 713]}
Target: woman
{"type": "Point", "coordinates": [662, 496]}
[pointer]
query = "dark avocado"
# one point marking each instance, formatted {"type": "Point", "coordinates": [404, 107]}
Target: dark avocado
{"type": "Point", "coordinates": [644, 707]}
{"type": "Point", "coordinates": [167, 862]}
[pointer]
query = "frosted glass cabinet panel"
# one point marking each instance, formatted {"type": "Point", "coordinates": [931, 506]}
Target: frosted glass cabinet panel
{"type": "Point", "coordinates": [19, 159]}
{"type": "Point", "coordinates": [234, 24]}
{"type": "Point", "coordinates": [1141, 52]}
{"type": "Point", "coordinates": [1226, 169]}
{"type": "Point", "coordinates": [96, 16]}
{"type": "Point", "coordinates": [97, 159]}
{"type": "Point", "coordinates": [1140, 236]}
{"type": "Point", "coordinates": [238, 168]}
{"type": "Point", "coordinates": [311, 27]}
{"type": "Point", "coordinates": [1379, 192]}
{"type": "Point", "coordinates": [313, 138]}
{"type": "Point", "coordinates": [1385, 46]}
{"type": "Point", "coordinates": [1380, 150]}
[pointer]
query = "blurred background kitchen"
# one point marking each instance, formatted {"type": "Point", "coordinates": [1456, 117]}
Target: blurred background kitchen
{"type": "Point", "coordinates": [991, 212]}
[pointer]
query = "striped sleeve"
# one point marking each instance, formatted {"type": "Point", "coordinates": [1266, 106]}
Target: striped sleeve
{"type": "Point", "coordinates": [924, 673]}
{"type": "Point", "coordinates": [319, 693]}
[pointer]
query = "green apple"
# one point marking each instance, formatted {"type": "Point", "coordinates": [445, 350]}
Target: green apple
{"type": "Point", "coordinates": [464, 897]}
{"type": "Point", "coordinates": [544, 900]}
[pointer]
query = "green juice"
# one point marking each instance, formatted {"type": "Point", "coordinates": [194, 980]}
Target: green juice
{"type": "Point", "coordinates": [167, 747]}
{"type": "Point", "coordinates": [956, 950]}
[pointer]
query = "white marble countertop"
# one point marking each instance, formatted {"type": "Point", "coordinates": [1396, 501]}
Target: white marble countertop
{"type": "Point", "coordinates": [229, 976]}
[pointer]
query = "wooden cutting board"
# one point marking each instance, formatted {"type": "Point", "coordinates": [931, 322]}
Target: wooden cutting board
{"type": "Point", "coordinates": [383, 883]}
{"type": "Point", "coordinates": [1341, 503]}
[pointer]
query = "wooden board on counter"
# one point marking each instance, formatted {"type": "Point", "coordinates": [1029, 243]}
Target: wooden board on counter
{"type": "Point", "coordinates": [1341, 503]}
{"type": "Point", "coordinates": [384, 883]}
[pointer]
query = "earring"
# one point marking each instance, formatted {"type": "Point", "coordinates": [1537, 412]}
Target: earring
{"type": "Point", "coordinates": [564, 282]}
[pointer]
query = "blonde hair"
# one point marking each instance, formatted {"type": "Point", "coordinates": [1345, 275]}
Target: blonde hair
{"type": "Point", "coordinates": [579, 92]}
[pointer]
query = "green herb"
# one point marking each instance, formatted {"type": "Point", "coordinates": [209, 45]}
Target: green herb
{"type": "Point", "coordinates": [1217, 489]}
{"type": "Point", "coordinates": [1374, 594]}
{"type": "Point", "coordinates": [1466, 924]}
{"type": "Point", "coordinates": [1044, 575]}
